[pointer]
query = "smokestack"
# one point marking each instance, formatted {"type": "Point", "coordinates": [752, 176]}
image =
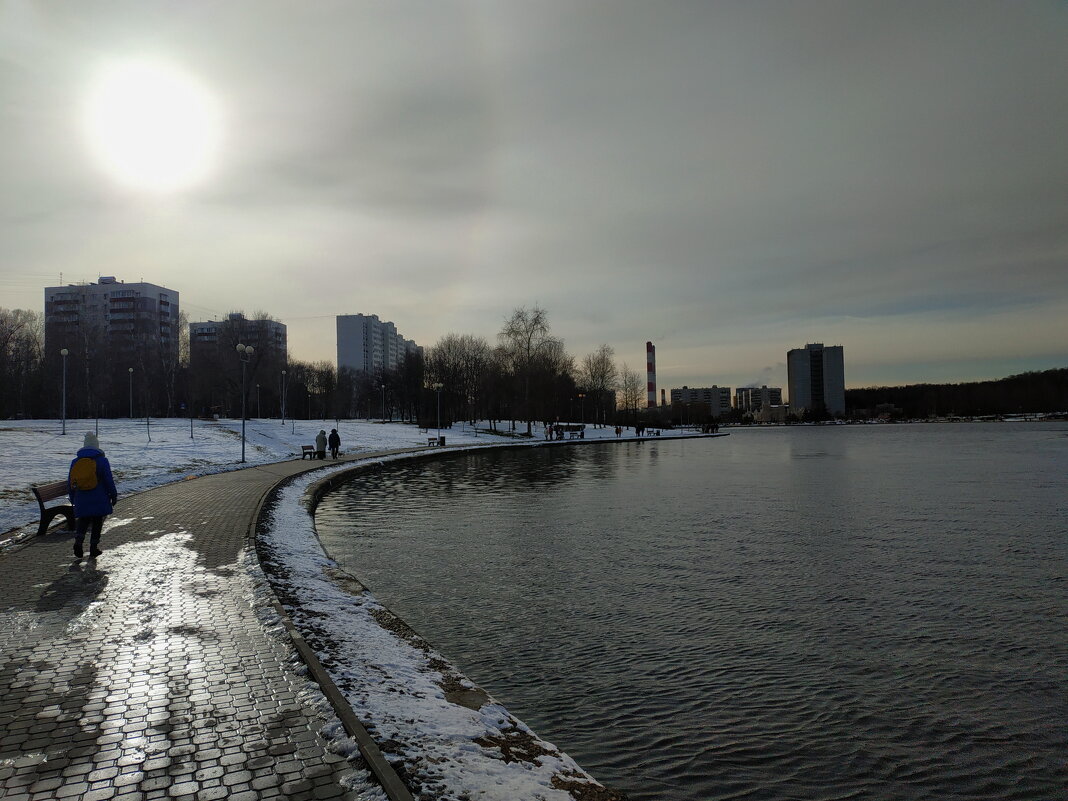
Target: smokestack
{"type": "Point", "coordinates": [663, 397]}
{"type": "Point", "coordinates": [650, 373]}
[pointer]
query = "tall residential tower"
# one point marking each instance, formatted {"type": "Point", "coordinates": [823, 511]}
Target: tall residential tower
{"type": "Point", "coordinates": [366, 344]}
{"type": "Point", "coordinates": [816, 379]}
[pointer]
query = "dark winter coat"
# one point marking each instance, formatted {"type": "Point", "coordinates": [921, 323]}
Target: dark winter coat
{"type": "Point", "coordinates": [101, 498]}
{"type": "Point", "coordinates": [334, 440]}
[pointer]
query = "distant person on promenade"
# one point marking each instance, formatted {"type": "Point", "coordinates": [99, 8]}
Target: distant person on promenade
{"type": "Point", "coordinates": [320, 444]}
{"type": "Point", "coordinates": [91, 488]}
{"type": "Point", "coordinates": [334, 440]}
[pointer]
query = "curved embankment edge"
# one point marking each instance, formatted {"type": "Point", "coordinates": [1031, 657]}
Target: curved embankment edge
{"type": "Point", "coordinates": [391, 783]}
{"type": "Point", "coordinates": [517, 744]}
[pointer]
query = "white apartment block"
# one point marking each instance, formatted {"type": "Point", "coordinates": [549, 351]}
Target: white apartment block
{"type": "Point", "coordinates": [113, 314]}
{"type": "Point", "coordinates": [369, 345]}
{"type": "Point", "coordinates": [753, 399]}
{"type": "Point", "coordinates": [268, 337]}
{"type": "Point", "coordinates": [718, 399]}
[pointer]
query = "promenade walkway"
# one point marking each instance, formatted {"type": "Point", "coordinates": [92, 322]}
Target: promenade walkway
{"type": "Point", "coordinates": [149, 673]}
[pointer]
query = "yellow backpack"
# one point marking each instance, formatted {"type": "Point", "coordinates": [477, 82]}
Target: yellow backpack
{"type": "Point", "coordinates": [83, 473]}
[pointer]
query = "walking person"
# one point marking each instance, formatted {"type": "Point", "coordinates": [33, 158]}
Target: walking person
{"type": "Point", "coordinates": [320, 444]}
{"type": "Point", "coordinates": [334, 441]}
{"type": "Point", "coordinates": [91, 488]}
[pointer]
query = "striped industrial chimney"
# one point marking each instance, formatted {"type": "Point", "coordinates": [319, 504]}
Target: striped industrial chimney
{"type": "Point", "coordinates": [650, 373]}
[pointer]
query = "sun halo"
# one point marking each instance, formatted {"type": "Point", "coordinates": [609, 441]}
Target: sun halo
{"type": "Point", "coordinates": [152, 126]}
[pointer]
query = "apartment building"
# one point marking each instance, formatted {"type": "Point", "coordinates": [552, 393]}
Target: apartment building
{"type": "Point", "coordinates": [753, 399]}
{"type": "Point", "coordinates": [816, 378]}
{"type": "Point", "coordinates": [718, 399]}
{"type": "Point", "coordinates": [369, 345]}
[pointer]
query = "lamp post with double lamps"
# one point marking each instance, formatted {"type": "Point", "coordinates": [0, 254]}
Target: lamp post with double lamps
{"type": "Point", "coordinates": [244, 353]}
{"type": "Point", "coordinates": [582, 407]}
{"type": "Point", "coordinates": [437, 388]}
{"type": "Point", "coordinates": [64, 353]}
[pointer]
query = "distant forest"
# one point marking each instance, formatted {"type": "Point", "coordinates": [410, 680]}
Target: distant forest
{"type": "Point", "coordinates": [1027, 393]}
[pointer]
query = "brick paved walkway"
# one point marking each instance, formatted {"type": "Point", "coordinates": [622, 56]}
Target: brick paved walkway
{"type": "Point", "coordinates": [147, 673]}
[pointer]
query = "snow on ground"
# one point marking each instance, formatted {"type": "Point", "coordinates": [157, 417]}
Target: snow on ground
{"type": "Point", "coordinates": [451, 739]}
{"type": "Point", "coordinates": [36, 452]}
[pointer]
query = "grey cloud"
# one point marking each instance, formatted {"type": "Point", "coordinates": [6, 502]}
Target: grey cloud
{"type": "Point", "coordinates": [718, 174]}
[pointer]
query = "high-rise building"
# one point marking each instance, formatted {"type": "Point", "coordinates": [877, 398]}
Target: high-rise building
{"type": "Point", "coordinates": [121, 343]}
{"type": "Point", "coordinates": [718, 399]}
{"type": "Point", "coordinates": [753, 399]}
{"type": "Point", "coordinates": [111, 315]}
{"type": "Point", "coordinates": [218, 371]}
{"type": "Point", "coordinates": [268, 337]}
{"type": "Point", "coordinates": [369, 345]}
{"type": "Point", "coordinates": [816, 378]}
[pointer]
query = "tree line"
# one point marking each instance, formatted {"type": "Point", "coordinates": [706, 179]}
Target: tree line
{"type": "Point", "coordinates": [527, 376]}
{"type": "Point", "coordinates": [1043, 391]}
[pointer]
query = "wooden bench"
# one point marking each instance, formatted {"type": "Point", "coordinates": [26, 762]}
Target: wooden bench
{"type": "Point", "coordinates": [575, 435]}
{"type": "Point", "coordinates": [307, 452]}
{"type": "Point", "coordinates": [431, 440]}
{"type": "Point", "coordinates": [49, 492]}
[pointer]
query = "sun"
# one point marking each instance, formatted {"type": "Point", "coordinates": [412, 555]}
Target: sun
{"type": "Point", "coordinates": [152, 126]}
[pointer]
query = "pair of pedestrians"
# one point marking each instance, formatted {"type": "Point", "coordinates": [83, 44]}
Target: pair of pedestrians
{"type": "Point", "coordinates": [322, 441]}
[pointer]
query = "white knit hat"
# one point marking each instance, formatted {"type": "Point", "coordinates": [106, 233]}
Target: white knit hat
{"type": "Point", "coordinates": [91, 441]}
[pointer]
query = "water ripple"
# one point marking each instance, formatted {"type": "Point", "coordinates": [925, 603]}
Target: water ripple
{"type": "Point", "coordinates": [846, 613]}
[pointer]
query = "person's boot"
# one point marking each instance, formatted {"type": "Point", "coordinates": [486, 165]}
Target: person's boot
{"type": "Point", "coordinates": [94, 550]}
{"type": "Point", "coordinates": [78, 553]}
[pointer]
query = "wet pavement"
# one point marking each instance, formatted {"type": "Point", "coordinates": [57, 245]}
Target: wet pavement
{"type": "Point", "coordinates": [156, 671]}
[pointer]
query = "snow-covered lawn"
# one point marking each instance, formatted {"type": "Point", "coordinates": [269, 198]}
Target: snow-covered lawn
{"type": "Point", "coordinates": [36, 452]}
{"type": "Point", "coordinates": [144, 456]}
{"type": "Point", "coordinates": [453, 740]}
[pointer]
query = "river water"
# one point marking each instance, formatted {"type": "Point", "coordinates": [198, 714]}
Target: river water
{"type": "Point", "coordinates": [847, 612]}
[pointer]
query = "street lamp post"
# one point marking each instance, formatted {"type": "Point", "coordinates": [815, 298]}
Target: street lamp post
{"type": "Point", "coordinates": [283, 397]}
{"type": "Point", "coordinates": [130, 369]}
{"type": "Point", "coordinates": [244, 353]}
{"type": "Point", "coordinates": [582, 407]}
{"type": "Point", "coordinates": [383, 388]}
{"type": "Point", "coordinates": [259, 411]}
{"type": "Point", "coordinates": [437, 387]}
{"type": "Point", "coordinates": [64, 354]}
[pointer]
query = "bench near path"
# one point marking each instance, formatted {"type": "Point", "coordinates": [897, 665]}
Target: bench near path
{"type": "Point", "coordinates": [147, 673]}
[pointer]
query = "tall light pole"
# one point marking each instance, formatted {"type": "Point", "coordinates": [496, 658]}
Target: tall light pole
{"type": "Point", "coordinates": [244, 353]}
{"type": "Point", "coordinates": [259, 411]}
{"type": "Point", "coordinates": [130, 369]}
{"type": "Point", "coordinates": [383, 388]}
{"type": "Point", "coordinates": [283, 397]}
{"type": "Point", "coordinates": [64, 354]}
{"type": "Point", "coordinates": [437, 387]}
{"type": "Point", "coordinates": [582, 407]}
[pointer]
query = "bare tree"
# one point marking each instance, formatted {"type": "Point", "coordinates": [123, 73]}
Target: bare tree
{"type": "Point", "coordinates": [21, 361]}
{"type": "Point", "coordinates": [630, 389]}
{"type": "Point", "coordinates": [600, 377]}
{"type": "Point", "coordinates": [526, 341]}
{"type": "Point", "coordinates": [459, 362]}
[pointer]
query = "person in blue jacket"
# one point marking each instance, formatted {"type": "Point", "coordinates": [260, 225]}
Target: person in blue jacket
{"type": "Point", "coordinates": [91, 506]}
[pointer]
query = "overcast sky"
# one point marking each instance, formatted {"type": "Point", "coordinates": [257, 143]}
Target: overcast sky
{"type": "Point", "coordinates": [728, 179]}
